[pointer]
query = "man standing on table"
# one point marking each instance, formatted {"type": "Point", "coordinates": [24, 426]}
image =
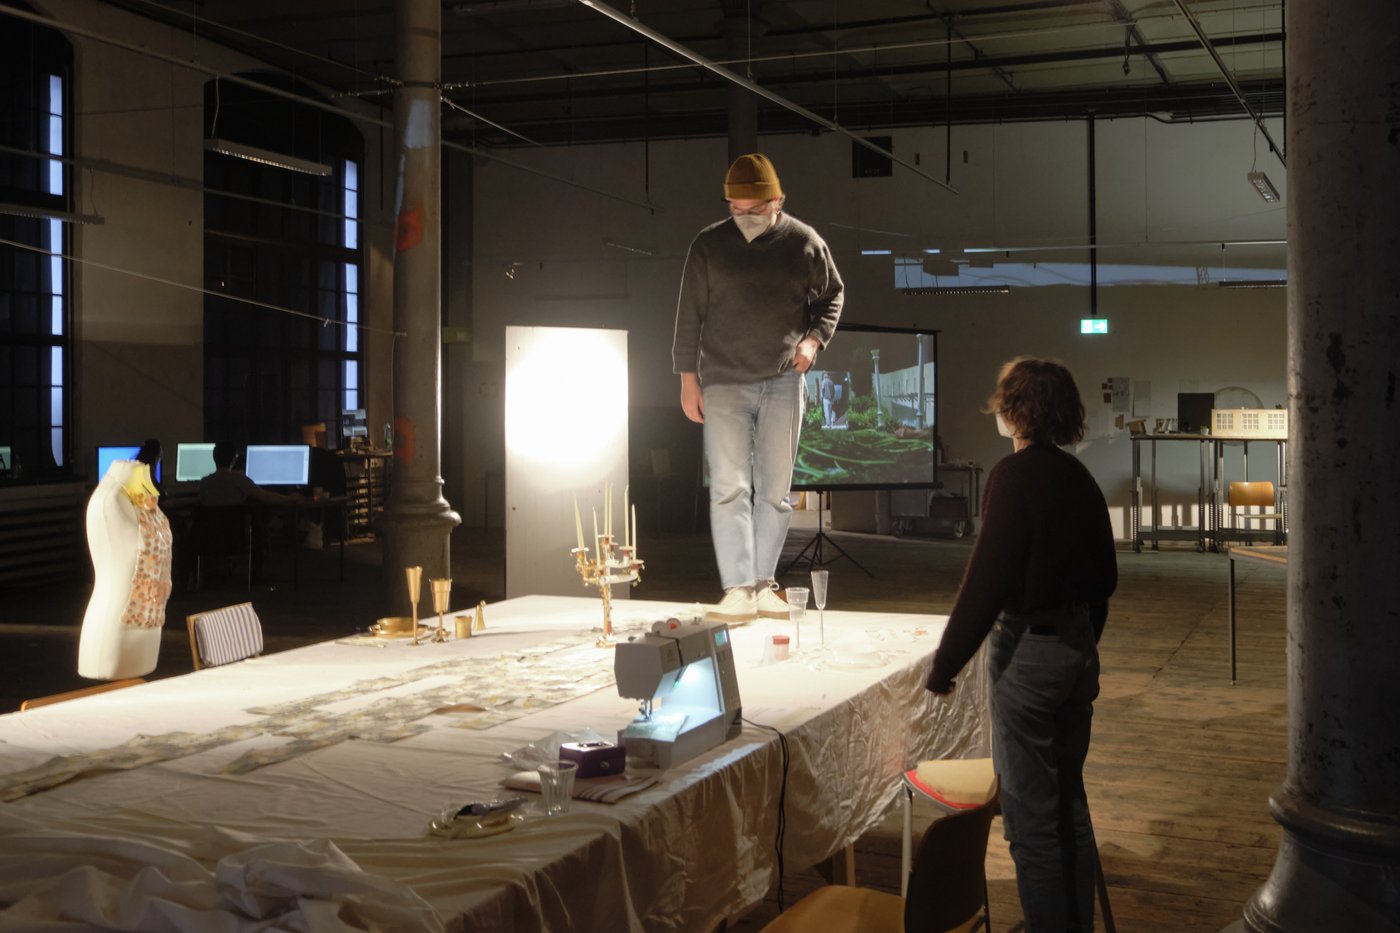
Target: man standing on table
{"type": "Point", "coordinates": [760, 296]}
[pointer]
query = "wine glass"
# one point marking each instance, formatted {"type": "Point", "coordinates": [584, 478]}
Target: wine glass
{"type": "Point", "coordinates": [819, 578]}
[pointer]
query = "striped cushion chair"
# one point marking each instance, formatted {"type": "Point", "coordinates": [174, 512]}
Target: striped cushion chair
{"type": "Point", "coordinates": [222, 636]}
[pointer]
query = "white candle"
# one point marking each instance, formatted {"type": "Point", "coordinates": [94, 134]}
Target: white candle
{"type": "Point", "coordinates": [595, 530]}
{"type": "Point", "coordinates": [578, 523]}
{"type": "Point", "coordinates": [635, 543]}
{"type": "Point", "coordinates": [626, 527]}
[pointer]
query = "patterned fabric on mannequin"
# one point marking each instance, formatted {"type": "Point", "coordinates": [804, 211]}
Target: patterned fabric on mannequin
{"type": "Point", "coordinates": [150, 584]}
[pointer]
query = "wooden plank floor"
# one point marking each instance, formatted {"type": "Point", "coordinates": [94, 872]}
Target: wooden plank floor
{"type": "Point", "coordinates": [1179, 772]}
{"type": "Point", "coordinates": [1182, 762]}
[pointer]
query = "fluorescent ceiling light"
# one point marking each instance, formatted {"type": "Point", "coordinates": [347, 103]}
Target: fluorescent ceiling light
{"type": "Point", "coordinates": [1266, 188]}
{"type": "Point", "coordinates": [628, 249]}
{"type": "Point", "coordinates": [959, 290]}
{"type": "Point", "coordinates": [1253, 283]}
{"type": "Point", "coordinates": [876, 252]}
{"type": "Point", "coordinates": [266, 157]}
{"type": "Point", "coordinates": [43, 213]}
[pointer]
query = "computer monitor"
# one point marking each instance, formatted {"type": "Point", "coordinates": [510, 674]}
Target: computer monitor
{"type": "Point", "coordinates": [106, 456]}
{"type": "Point", "coordinates": [6, 459]}
{"type": "Point", "coordinates": [278, 464]}
{"type": "Point", "coordinates": [1193, 411]}
{"type": "Point", "coordinates": [353, 423]}
{"type": "Point", "coordinates": [193, 462]}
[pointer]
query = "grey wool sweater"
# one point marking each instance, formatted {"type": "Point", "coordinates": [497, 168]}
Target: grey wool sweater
{"type": "Point", "coordinates": [744, 307]}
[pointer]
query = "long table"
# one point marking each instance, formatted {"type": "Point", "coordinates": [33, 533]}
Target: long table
{"type": "Point", "coordinates": [317, 769]}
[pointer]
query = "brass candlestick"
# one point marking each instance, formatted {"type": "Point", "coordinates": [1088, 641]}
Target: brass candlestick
{"type": "Point", "coordinates": [442, 596]}
{"type": "Point", "coordinates": [479, 623]}
{"type": "Point", "coordinates": [414, 576]}
{"type": "Point", "coordinates": [614, 563]}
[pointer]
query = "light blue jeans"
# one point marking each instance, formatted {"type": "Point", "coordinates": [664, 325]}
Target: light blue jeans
{"type": "Point", "coordinates": [1045, 676]}
{"type": "Point", "coordinates": [751, 435]}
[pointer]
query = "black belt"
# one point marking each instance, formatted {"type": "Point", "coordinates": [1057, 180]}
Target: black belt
{"type": "Point", "coordinates": [1043, 629]}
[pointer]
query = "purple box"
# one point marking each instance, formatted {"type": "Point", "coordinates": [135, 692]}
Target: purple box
{"type": "Point", "coordinates": [595, 759]}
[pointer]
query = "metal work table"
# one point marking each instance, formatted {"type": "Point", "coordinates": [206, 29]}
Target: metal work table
{"type": "Point", "coordinates": [1210, 530]}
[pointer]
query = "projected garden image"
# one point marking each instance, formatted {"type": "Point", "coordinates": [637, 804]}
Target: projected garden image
{"type": "Point", "coordinates": [871, 421]}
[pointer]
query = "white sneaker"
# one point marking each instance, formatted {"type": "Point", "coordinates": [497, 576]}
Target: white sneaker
{"type": "Point", "coordinates": [736, 608]}
{"type": "Point", "coordinates": [768, 603]}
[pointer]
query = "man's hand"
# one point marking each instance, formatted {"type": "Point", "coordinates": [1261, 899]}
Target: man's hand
{"type": "Point", "coordinates": [692, 398]}
{"type": "Point", "coordinates": [806, 354]}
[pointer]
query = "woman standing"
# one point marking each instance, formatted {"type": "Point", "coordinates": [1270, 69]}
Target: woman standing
{"type": "Point", "coordinates": [1039, 580]}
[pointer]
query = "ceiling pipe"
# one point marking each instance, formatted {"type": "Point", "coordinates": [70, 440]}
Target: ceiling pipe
{"type": "Point", "coordinates": [1229, 78]}
{"type": "Point", "coordinates": [728, 75]}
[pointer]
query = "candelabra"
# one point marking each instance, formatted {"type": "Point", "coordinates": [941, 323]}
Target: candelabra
{"type": "Point", "coordinates": [611, 563]}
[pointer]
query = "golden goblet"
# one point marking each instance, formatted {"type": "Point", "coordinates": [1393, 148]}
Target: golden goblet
{"type": "Point", "coordinates": [442, 597]}
{"type": "Point", "coordinates": [414, 576]}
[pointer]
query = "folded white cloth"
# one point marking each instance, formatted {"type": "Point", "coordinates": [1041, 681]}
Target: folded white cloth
{"type": "Point", "coordinates": [598, 790]}
{"type": "Point", "coordinates": [55, 880]}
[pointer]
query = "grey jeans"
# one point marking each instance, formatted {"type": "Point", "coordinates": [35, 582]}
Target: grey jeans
{"type": "Point", "coordinates": [1045, 677]}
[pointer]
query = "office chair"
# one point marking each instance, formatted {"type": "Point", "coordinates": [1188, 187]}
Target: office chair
{"type": "Point", "coordinates": [36, 702]}
{"type": "Point", "coordinates": [946, 894]}
{"type": "Point", "coordinates": [221, 532]}
{"type": "Point", "coordinates": [222, 636]}
{"type": "Point", "coordinates": [1241, 497]}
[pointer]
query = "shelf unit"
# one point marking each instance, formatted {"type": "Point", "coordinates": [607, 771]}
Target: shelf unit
{"type": "Point", "coordinates": [366, 489]}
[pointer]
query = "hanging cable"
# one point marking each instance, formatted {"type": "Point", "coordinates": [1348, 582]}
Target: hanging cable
{"type": "Point", "coordinates": [318, 318]}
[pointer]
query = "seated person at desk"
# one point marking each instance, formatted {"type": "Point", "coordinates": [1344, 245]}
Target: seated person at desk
{"type": "Point", "coordinates": [225, 487]}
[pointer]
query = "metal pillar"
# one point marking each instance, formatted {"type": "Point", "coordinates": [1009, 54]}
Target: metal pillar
{"type": "Point", "coordinates": [417, 520]}
{"type": "Point", "coordinates": [1338, 866]}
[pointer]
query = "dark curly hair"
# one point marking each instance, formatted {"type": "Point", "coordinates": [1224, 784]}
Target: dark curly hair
{"type": "Point", "coordinates": [1039, 400]}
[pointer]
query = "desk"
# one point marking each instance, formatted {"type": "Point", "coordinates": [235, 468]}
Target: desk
{"type": "Point", "coordinates": [1211, 486]}
{"type": "Point", "coordinates": [323, 506]}
{"type": "Point", "coordinates": [1276, 555]}
{"type": "Point", "coordinates": [1140, 535]}
{"type": "Point", "coordinates": [679, 856]}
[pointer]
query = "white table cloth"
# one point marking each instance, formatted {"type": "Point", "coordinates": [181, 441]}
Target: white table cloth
{"type": "Point", "coordinates": [345, 824]}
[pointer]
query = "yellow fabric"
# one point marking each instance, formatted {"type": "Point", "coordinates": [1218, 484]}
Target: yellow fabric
{"type": "Point", "coordinates": [838, 908]}
{"type": "Point", "coordinates": [960, 781]}
{"type": "Point", "coordinates": [138, 485]}
{"type": "Point", "coordinates": [752, 178]}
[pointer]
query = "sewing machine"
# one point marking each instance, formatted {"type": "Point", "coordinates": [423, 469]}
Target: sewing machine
{"type": "Point", "coordinates": [683, 672]}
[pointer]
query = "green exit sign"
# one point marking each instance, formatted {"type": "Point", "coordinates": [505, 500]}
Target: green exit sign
{"type": "Point", "coordinates": [1093, 325]}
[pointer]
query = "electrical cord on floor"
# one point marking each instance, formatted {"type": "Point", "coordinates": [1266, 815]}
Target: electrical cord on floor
{"type": "Point", "coordinates": [782, 807]}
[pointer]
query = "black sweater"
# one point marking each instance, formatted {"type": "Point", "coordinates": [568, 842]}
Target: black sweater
{"type": "Point", "coordinates": [1045, 544]}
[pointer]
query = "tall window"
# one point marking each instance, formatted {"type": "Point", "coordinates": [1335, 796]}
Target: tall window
{"type": "Point", "coordinates": [35, 72]}
{"type": "Point", "coordinates": [281, 229]}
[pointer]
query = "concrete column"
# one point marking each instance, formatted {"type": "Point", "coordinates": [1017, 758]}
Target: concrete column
{"type": "Point", "coordinates": [1338, 866]}
{"type": "Point", "coordinates": [743, 104]}
{"type": "Point", "coordinates": [417, 520]}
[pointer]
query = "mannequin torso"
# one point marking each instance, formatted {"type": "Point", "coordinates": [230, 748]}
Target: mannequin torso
{"type": "Point", "coordinates": [129, 538]}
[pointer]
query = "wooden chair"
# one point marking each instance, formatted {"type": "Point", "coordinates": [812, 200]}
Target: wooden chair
{"type": "Point", "coordinates": [947, 892]}
{"type": "Point", "coordinates": [36, 702]}
{"type": "Point", "coordinates": [961, 785]}
{"type": "Point", "coordinates": [222, 636]}
{"type": "Point", "coordinates": [1243, 497]}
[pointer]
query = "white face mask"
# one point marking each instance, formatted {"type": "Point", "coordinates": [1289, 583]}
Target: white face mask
{"type": "Point", "coordinates": [753, 226]}
{"type": "Point", "coordinates": [1004, 429]}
